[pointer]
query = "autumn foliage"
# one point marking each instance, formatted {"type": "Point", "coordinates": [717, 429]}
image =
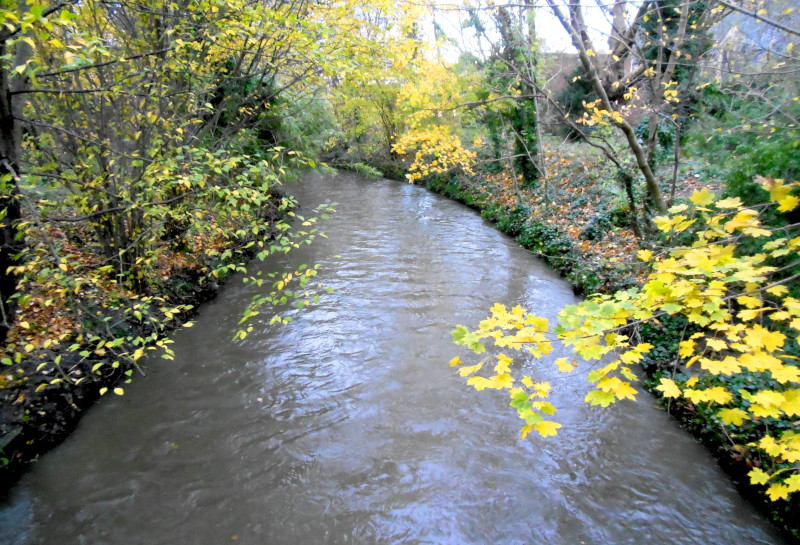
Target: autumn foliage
{"type": "Point", "coordinates": [737, 352]}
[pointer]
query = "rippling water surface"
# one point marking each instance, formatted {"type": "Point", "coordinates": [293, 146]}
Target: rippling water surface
{"type": "Point", "coordinates": [348, 426]}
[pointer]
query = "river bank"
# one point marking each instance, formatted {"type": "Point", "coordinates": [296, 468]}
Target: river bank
{"type": "Point", "coordinates": [347, 425]}
{"type": "Point", "coordinates": [586, 241]}
{"type": "Point", "coordinates": [57, 365]}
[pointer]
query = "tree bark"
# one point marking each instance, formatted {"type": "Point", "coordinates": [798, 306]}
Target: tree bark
{"type": "Point", "coordinates": [11, 242]}
{"type": "Point", "coordinates": [577, 30]}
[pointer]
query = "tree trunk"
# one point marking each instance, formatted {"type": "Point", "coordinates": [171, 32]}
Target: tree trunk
{"type": "Point", "coordinates": [11, 243]}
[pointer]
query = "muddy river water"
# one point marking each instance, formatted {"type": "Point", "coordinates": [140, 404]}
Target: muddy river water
{"type": "Point", "coordinates": [348, 426]}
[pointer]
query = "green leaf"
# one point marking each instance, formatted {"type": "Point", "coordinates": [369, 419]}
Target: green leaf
{"type": "Point", "coordinates": [598, 397]}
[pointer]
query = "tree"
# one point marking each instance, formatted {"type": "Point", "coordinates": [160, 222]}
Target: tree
{"type": "Point", "coordinates": [741, 322]}
{"type": "Point", "coordinates": [144, 148]}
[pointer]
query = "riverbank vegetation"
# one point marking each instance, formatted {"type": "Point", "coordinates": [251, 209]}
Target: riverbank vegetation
{"type": "Point", "coordinates": [655, 167]}
{"type": "Point", "coordinates": [144, 148]}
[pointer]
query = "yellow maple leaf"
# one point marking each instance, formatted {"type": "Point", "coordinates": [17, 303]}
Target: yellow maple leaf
{"type": "Point", "coordinates": [777, 291]}
{"type": "Point", "coordinates": [793, 483]}
{"type": "Point", "coordinates": [786, 373]}
{"type": "Point", "coordinates": [503, 363]}
{"type": "Point", "coordinates": [731, 202]}
{"type": "Point", "coordinates": [743, 219]}
{"type": "Point", "coordinates": [769, 398]}
{"type": "Point", "coordinates": [762, 411]}
{"type": "Point", "coordinates": [466, 371]}
{"type": "Point", "coordinates": [758, 337]}
{"type": "Point", "coordinates": [758, 476]}
{"type": "Point", "coordinates": [664, 223]}
{"type": "Point", "coordinates": [776, 187]}
{"type": "Point", "coordinates": [542, 388]}
{"type": "Point", "coordinates": [686, 348]}
{"type": "Point", "coordinates": [727, 366]}
{"type": "Point", "coordinates": [624, 390]}
{"type": "Point", "coordinates": [456, 361]}
{"type": "Point", "coordinates": [501, 381]}
{"type": "Point", "coordinates": [479, 383]}
{"type": "Point", "coordinates": [791, 402]}
{"type": "Point", "coordinates": [565, 365]}
{"type": "Point", "coordinates": [788, 203]}
{"type": "Point", "coordinates": [669, 388]}
{"type": "Point", "coordinates": [718, 394]}
{"type": "Point", "coordinates": [702, 198]}
{"type": "Point", "coordinates": [545, 407]}
{"type": "Point", "coordinates": [733, 416]}
{"type": "Point", "coordinates": [547, 428]}
{"type": "Point", "coordinates": [778, 491]}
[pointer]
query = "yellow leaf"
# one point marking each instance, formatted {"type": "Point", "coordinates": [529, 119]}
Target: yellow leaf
{"type": "Point", "coordinates": [466, 371]}
{"type": "Point", "coordinates": [598, 397]}
{"type": "Point", "coordinates": [716, 344]}
{"type": "Point", "coordinates": [544, 407]}
{"type": "Point", "coordinates": [119, 391]}
{"type": "Point", "coordinates": [733, 416]}
{"type": "Point", "coordinates": [590, 52]}
{"type": "Point", "coordinates": [686, 348]}
{"type": "Point", "coordinates": [525, 430]}
{"type": "Point", "coordinates": [669, 388]}
{"type": "Point", "coordinates": [542, 388]}
{"type": "Point", "coordinates": [732, 202]}
{"type": "Point", "coordinates": [502, 363]}
{"type": "Point", "coordinates": [625, 391]}
{"type": "Point", "coordinates": [547, 428]}
{"type": "Point", "coordinates": [645, 255]}
{"type": "Point", "coordinates": [743, 219]}
{"type": "Point", "coordinates": [749, 315]}
{"type": "Point", "coordinates": [758, 337]}
{"type": "Point", "coordinates": [778, 492]}
{"type": "Point", "coordinates": [769, 398]}
{"type": "Point", "coordinates": [718, 394]}
{"type": "Point", "coordinates": [777, 291]}
{"type": "Point", "coordinates": [787, 373]}
{"type": "Point", "coordinates": [791, 402]}
{"type": "Point", "coordinates": [504, 380]}
{"type": "Point", "coordinates": [479, 383]}
{"type": "Point", "coordinates": [456, 361]}
{"type": "Point", "coordinates": [787, 204]}
{"type": "Point", "coordinates": [793, 483]}
{"type": "Point", "coordinates": [758, 476]}
{"type": "Point", "coordinates": [565, 365]}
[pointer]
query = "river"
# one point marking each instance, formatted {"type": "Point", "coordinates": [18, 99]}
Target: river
{"type": "Point", "coordinates": [348, 426]}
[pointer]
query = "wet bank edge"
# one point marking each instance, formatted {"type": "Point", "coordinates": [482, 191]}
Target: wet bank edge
{"type": "Point", "coordinates": [25, 435]}
{"type": "Point", "coordinates": [554, 249]}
